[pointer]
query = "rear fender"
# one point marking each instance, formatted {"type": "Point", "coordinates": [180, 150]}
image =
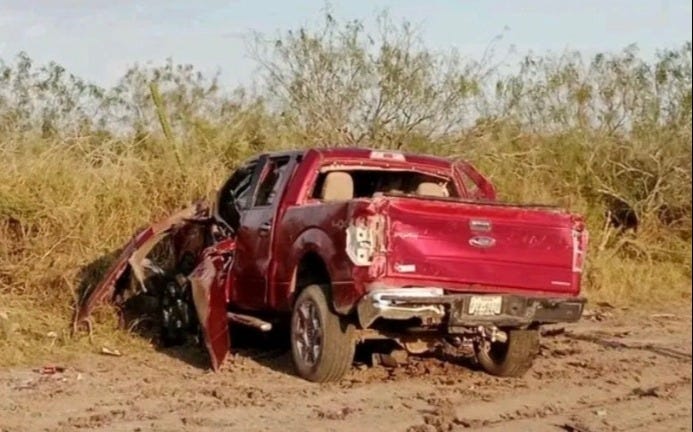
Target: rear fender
{"type": "Point", "coordinates": [316, 241]}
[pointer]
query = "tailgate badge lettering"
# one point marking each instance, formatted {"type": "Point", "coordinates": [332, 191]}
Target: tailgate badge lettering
{"type": "Point", "coordinates": [480, 225]}
{"type": "Point", "coordinates": [482, 242]}
{"type": "Point", "coordinates": [405, 268]}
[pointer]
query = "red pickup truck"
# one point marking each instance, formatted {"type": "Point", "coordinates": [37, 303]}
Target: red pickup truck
{"type": "Point", "coordinates": [348, 245]}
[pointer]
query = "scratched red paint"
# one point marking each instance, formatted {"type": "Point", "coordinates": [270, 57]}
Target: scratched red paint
{"type": "Point", "coordinates": [468, 242]}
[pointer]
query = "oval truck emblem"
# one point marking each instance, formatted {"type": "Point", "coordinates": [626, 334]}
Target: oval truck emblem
{"type": "Point", "coordinates": [482, 242]}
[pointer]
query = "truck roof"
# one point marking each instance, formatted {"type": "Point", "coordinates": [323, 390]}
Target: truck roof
{"type": "Point", "coordinates": [336, 153]}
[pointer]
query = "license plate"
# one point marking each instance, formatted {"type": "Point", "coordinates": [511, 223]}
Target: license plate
{"type": "Point", "coordinates": [485, 305]}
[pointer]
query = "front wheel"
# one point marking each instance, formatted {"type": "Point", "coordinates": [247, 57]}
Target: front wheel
{"type": "Point", "coordinates": [322, 343]}
{"type": "Point", "coordinates": [512, 358]}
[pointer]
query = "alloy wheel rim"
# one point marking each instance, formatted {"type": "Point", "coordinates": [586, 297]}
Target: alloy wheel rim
{"type": "Point", "coordinates": [308, 333]}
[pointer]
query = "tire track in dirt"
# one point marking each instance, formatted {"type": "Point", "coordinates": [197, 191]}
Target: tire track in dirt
{"type": "Point", "coordinates": [510, 414]}
{"type": "Point", "coordinates": [623, 373]}
{"type": "Point", "coordinates": [562, 408]}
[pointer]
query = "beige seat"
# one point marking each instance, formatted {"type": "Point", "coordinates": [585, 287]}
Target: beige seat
{"type": "Point", "coordinates": [338, 186]}
{"type": "Point", "coordinates": [431, 189]}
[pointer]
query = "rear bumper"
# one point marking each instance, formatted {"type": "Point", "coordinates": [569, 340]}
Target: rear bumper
{"type": "Point", "coordinates": [433, 307]}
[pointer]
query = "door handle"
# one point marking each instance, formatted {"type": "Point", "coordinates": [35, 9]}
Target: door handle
{"type": "Point", "coordinates": [265, 227]}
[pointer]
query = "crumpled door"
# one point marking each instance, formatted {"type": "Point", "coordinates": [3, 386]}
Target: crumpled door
{"type": "Point", "coordinates": [210, 284]}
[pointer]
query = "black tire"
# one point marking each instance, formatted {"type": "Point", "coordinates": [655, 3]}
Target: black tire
{"type": "Point", "coordinates": [336, 341]}
{"type": "Point", "coordinates": [177, 314]}
{"type": "Point", "coordinates": [512, 358]}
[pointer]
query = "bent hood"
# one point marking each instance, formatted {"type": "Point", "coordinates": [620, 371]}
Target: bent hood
{"type": "Point", "coordinates": [133, 260]}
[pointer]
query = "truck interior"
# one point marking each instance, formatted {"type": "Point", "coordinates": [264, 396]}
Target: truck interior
{"type": "Point", "coordinates": [369, 183]}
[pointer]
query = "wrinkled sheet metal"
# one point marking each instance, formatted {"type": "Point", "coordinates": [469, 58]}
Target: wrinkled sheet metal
{"type": "Point", "coordinates": [208, 279]}
{"type": "Point", "coordinates": [210, 295]}
{"type": "Point", "coordinates": [133, 258]}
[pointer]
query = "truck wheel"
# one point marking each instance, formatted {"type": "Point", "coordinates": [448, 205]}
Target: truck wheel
{"type": "Point", "coordinates": [322, 343]}
{"type": "Point", "coordinates": [512, 358]}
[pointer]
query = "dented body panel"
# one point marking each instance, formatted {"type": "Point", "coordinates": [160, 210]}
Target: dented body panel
{"type": "Point", "coordinates": [463, 245]}
{"type": "Point", "coordinates": [132, 259]}
{"type": "Point", "coordinates": [384, 251]}
{"type": "Point", "coordinates": [211, 289]}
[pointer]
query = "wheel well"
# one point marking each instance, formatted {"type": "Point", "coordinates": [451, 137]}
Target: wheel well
{"type": "Point", "coordinates": [311, 270]}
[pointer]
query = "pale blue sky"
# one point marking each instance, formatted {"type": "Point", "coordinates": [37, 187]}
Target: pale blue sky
{"type": "Point", "coordinates": [99, 39]}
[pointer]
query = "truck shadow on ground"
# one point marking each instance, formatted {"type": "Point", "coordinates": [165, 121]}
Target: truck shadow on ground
{"type": "Point", "coordinates": [255, 346]}
{"type": "Point", "coordinates": [140, 316]}
{"type": "Point", "coordinates": [89, 275]}
{"type": "Point", "coordinates": [270, 349]}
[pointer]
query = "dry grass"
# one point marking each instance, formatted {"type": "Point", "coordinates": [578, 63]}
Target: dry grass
{"type": "Point", "coordinates": [65, 212]}
{"type": "Point", "coordinates": [69, 211]}
{"type": "Point", "coordinates": [591, 137]}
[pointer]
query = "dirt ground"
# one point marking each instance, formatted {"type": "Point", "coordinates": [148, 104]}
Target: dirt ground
{"type": "Point", "coordinates": [614, 371]}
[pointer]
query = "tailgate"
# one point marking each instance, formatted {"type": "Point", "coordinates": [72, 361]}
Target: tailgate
{"type": "Point", "coordinates": [474, 244]}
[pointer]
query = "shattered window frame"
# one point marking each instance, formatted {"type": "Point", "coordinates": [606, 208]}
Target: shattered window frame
{"type": "Point", "coordinates": [242, 190]}
{"type": "Point", "coordinates": [279, 167]}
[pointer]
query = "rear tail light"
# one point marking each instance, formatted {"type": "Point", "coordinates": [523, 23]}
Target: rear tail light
{"type": "Point", "coordinates": [360, 243]}
{"type": "Point", "coordinates": [580, 239]}
{"type": "Point", "coordinates": [365, 240]}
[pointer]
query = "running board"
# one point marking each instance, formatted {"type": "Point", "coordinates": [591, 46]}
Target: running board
{"type": "Point", "coordinates": [249, 321]}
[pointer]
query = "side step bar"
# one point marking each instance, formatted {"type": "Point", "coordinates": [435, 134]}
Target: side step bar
{"type": "Point", "coordinates": [249, 321]}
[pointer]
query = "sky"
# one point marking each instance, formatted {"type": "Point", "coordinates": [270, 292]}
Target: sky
{"type": "Point", "coordinates": [99, 39]}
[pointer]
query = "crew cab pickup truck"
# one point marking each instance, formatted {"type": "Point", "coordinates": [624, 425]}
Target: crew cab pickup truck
{"type": "Point", "coordinates": [345, 245]}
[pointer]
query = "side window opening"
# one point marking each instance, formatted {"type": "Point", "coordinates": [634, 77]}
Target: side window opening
{"type": "Point", "coordinates": [238, 187]}
{"type": "Point", "coordinates": [471, 187]}
{"type": "Point", "coordinates": [241, 190]}
{"type": "Point", "coordinates": [274, 173]}
{"type": "Point", "coordinates": [476, 185]}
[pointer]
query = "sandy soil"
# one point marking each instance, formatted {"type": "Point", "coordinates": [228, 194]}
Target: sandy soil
{"type": "Point", "coordinates": [617, 371]}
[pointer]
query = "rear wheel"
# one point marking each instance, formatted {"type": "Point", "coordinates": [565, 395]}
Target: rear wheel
{"type": "Point", "coordinates": [512, 358]}
{"type": "Point", "coordinates": [322, 343]}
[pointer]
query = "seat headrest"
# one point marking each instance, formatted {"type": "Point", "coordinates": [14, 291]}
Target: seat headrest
{"type": "Point", "coordinates": [338, 186]}
{"type": "Point", "coordinates": [431, 189]}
